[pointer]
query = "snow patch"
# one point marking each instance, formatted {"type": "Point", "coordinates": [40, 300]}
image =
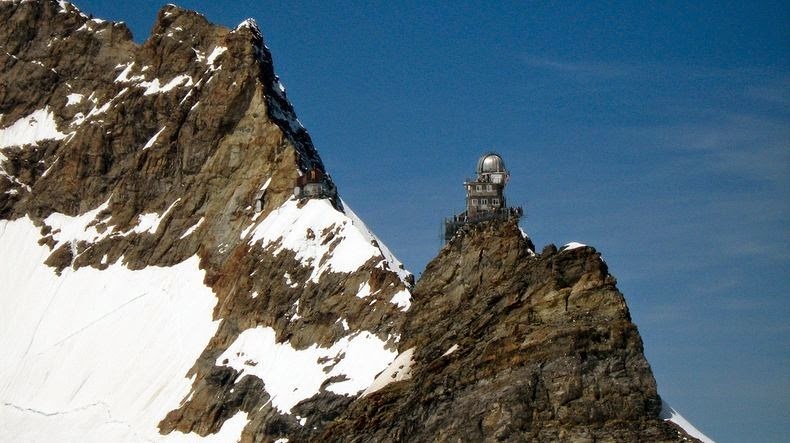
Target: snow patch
{"type": "Point", "coordinates": [292, 375]}
{"type": "Point", "coordinates": [399, 369]}
{"type": "Point", "coordinates": [452, 349]}
{"type": "Point", "coordinates": [73, 99]}
{"type": "Point", "coordinates": [38, 126]}
{"type": "Point", "coordinates": [149, 222]}
{"type": "Point", "coordinates": [289, 282]}
{"type": "Point", "coordinates": [45, 173]}
{"type": "Point", "coordinates": [343, 322]}
{"type": "Point", "coordinates": [669, 414]}
{"type": "Point", "coordinates": [572, 245]}
{"type": "Point", "coordinates": [153, 138]}
{"type": "Point", "coordinates": [88, 25]}
{"type": "Point", "coordinates": [393, 263]}
{"type": "Point", "coordinates": [248, 23]}
{"type": "Point", "coordinates": [192, 229]}
{"type": "Point", "coordinates": [199, 55]}
{"type": "Point", "coordinates": [153, 87]}
{"type": "Point", "coordinates": [66, 228]}
{"type": "Point", "coordinates": [188, 94]}
{"type": "Point", "coordinates": [402, 299]}
{"type": "Point", "coordinates": [305, 231]}
{"type": "Point", "coordinates": [296, 315]}
{"type": "Point", "coordinates": [364, 290]}
{"type": "Point", "coordinates": [83, 227]}
{"type": "Point", "coordinates": [123, 77]}
{"type": "Point", "coordinates": [266, 184]}
{"type": "Point", "coordinates": [216, 52]}
{"type": "Point", "coordinates": [78, 118]}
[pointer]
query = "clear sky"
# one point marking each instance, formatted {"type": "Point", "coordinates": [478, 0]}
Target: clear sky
{"type": "Point", "coordinates": [658, 132]}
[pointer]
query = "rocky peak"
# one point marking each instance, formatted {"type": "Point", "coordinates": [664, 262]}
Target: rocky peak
{"type": "Point", "coordinates": [502, 344]}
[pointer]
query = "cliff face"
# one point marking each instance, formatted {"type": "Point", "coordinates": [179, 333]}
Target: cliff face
{"type": "Point", "coordinates": [506, 345]}
{"type": "Point", "coordinates": [161, 280]}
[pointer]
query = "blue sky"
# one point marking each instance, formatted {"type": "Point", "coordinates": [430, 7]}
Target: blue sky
{"type": "Point", "coordinates": [657, 132]}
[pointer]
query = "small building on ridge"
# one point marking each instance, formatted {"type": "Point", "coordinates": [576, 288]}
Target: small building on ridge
{"type": "Point", "coordinates": [485, 196]}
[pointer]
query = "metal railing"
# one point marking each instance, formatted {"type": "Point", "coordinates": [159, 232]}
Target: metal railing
{"type": "Point", "coordinates": [454, 223]}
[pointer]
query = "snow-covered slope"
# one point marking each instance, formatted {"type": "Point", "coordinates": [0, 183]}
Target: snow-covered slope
{"type": "Point", "coordinates": [94, 355]}
{"type": "Point", "coordinates": [325, 239]}
{"type": "Point", "coordinates": [102, 355]}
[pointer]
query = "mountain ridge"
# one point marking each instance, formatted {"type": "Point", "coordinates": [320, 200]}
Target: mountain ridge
{"type": "Point", "coordinates": [158, 160]}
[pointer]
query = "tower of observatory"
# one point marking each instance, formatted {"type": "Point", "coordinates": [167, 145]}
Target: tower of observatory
{"type": "Point", "coordinates": [485, 196]}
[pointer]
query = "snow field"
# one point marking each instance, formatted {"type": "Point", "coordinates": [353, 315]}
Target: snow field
{"type": "Point", "coordinates": [90, 355]}
{"type": "Point", "coordinates": [39, 125]}
{"type": "Point", "coordinates": [304, 231]}
{"type": "Point", "coordinates": [292, 375]}
{"type": "Point", "coordinates": [94, 355]}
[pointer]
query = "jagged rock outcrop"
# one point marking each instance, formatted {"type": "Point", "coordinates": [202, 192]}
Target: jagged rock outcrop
{"type": "Point", "coordinates": [506, 345]}
{"type": "Point", "coordinates": [160, 278]}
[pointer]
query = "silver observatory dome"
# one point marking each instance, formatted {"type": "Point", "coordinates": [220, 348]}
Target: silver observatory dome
{"type": "Point", "coordinates": [490, 163]}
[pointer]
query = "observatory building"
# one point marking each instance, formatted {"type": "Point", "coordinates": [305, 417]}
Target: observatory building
{"type": "Point", "coordinates": [486, 193]}
{"type": "Point", "coordinates": [485, 196]}
{"type": "Point", "coordinates": [316, 184]}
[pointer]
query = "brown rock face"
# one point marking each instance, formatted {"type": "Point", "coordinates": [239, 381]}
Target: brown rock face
{"type": "Point", "coordinates": [513, 346]}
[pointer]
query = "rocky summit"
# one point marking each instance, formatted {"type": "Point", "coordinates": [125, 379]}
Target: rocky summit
{"type": "Point", "coordinates": [161, 281]}
{"type": "Point", "coordinates": [502, 344]}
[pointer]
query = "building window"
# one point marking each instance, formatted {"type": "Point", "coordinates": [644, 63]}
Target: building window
{"type": "Point", "coordinates": [474, 202]}
{"type": "Point", "coordinates": [484, 201]}
{"type": "Point", "coordinates": [489, 188]}
{"type": "Point", "coordinates": [478, 187]}
{"type": "Point", "coordinates": [495, 201]}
